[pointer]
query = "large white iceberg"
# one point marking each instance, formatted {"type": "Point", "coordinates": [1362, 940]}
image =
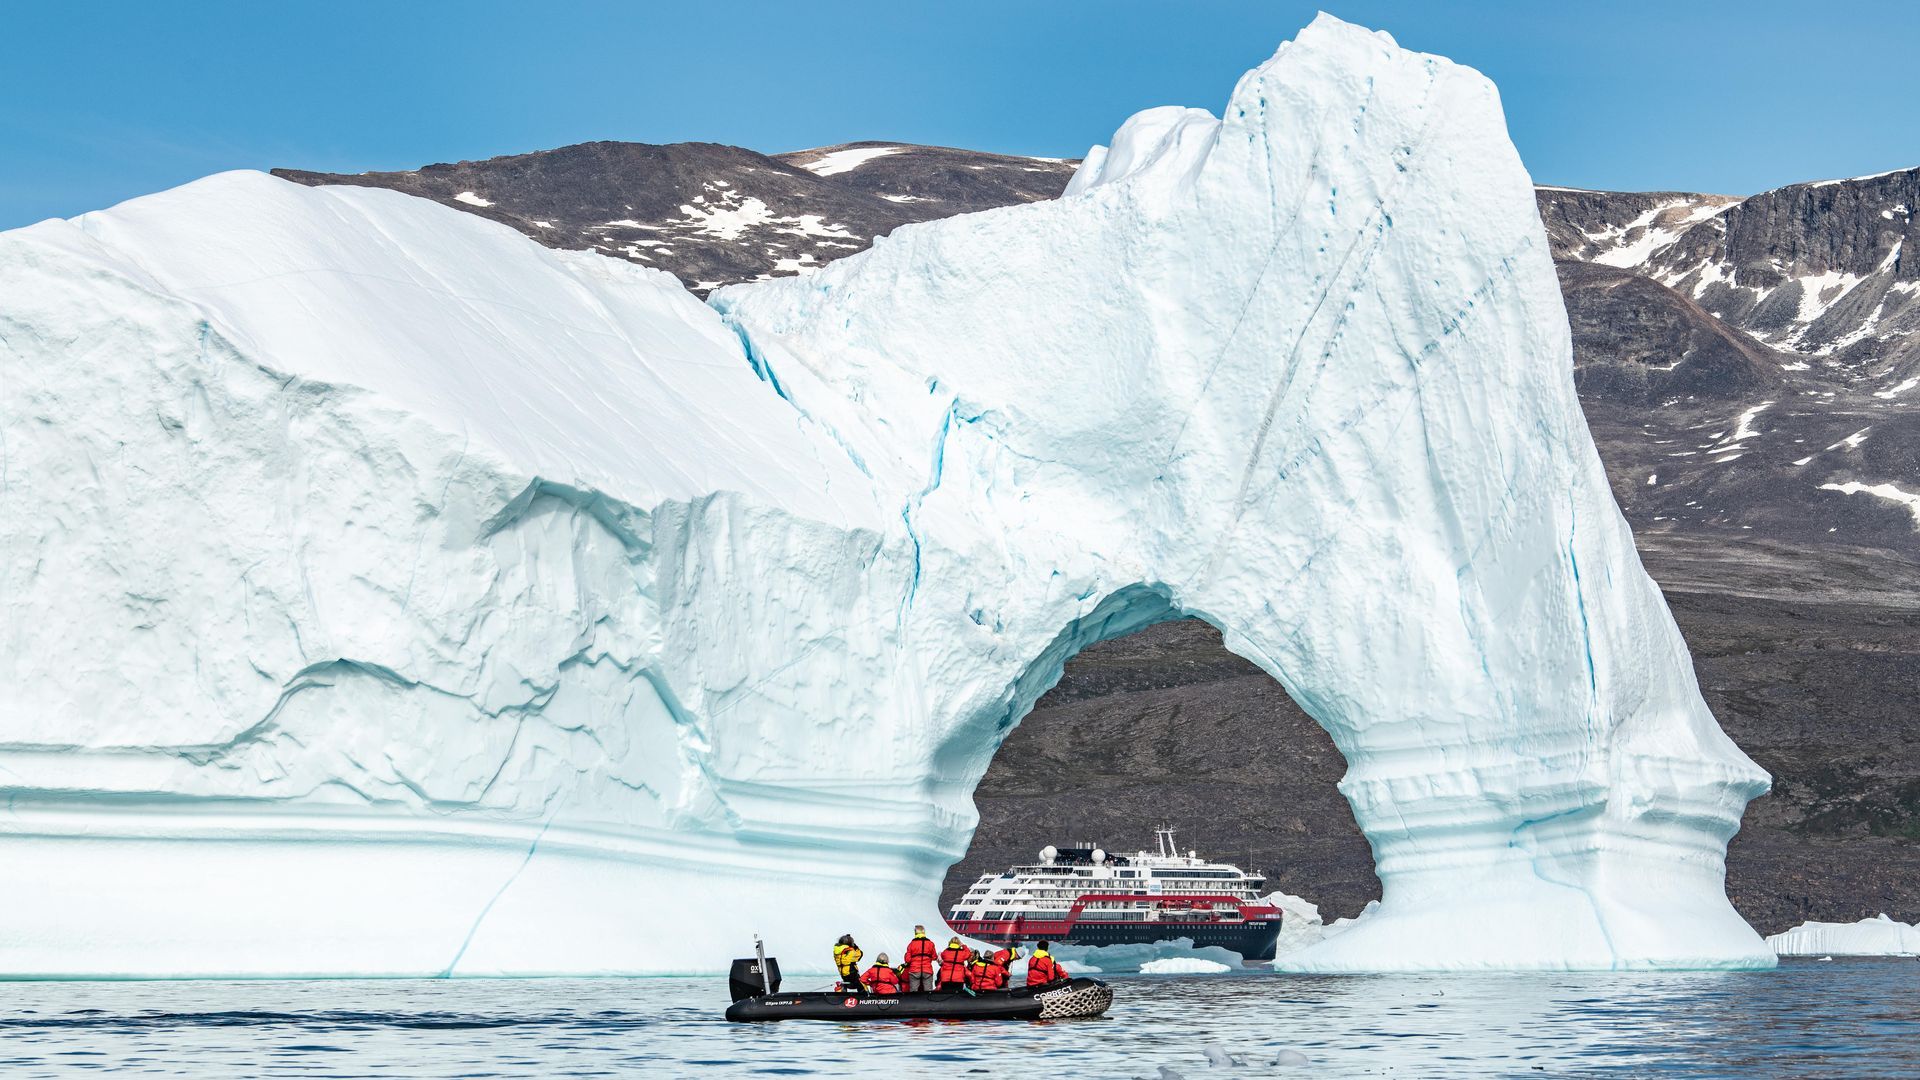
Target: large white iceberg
{"type": "Point", "coordinates": [386, 594]}
{"type": "Point", "coordinates": [1881, 936]}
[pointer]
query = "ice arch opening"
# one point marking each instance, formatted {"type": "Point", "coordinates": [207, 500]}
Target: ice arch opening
{"type": "Point", "coordinates": [1165, 726]}
{"type": "Point", "coordinates": [971, 743]}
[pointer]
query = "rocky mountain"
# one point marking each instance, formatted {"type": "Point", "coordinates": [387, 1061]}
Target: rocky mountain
{"type": "Point", "coordinates": [1750, 369]}
{"type": "Point", "coordinates": [1751, 364]}
{"type": "Point", "coordinates": [1826, 271]}
{"type": "Point", "coordinates": [712, 215]}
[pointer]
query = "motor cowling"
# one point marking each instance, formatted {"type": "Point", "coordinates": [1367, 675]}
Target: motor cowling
{"type": "Point", "coordinates": [744, 980]}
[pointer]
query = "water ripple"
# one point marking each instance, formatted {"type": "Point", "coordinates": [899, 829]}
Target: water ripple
{"type": "Point", "coordinates": [1858, 1018]}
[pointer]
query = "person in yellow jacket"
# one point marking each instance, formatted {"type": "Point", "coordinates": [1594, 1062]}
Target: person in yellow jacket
{"type": "Point", "coordinates": [1042, 968]}
{"type": "Point", "coordinates": [846, 961]}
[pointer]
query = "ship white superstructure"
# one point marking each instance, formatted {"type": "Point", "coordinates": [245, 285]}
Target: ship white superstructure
{"type": "Point", "coordinates": [1083, 895]}
{"type": "Point", "coordinates": [1048, 888]}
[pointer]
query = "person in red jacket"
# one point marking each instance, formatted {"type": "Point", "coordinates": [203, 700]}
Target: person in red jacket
{"type": "Point", "coordinates": [979, 975]}
{"type": "Point", "coordinates": [921, 957]}
{"type": "Point", "coordinates": [881, 978]}
{"type": "Point", "coordinates": [953, 966]}
{"type": "Point", "coordinates": [1042, 968]}
{"type": "Point", "coordinates": [1002, 964]}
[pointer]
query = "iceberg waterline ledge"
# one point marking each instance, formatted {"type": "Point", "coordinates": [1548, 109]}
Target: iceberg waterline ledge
{"type": "Point", "coordinates": [399, 597]}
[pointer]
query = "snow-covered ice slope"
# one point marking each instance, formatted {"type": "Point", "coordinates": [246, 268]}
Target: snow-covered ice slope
{"type": "Point", "coordinates": [387, 594]}
{"type": "Point", "coordinates": [361, 560]}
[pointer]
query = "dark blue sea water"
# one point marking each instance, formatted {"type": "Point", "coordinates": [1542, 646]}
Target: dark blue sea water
{"type": "Point", "coordinates": [1845, 1018]}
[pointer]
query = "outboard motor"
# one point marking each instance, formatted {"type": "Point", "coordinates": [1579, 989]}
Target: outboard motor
{"type": "Point", "coordinates": [752, 976]}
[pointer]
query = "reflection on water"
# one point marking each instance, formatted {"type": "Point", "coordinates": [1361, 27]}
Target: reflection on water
{"type": "Point", "coordinates": [1845, 1018]}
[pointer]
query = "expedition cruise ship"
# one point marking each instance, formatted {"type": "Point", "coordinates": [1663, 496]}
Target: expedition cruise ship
{"type": "Point", "coordinates": [1085, 896]}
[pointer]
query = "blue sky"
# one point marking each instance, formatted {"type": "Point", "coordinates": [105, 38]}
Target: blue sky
{"type": "Point", "coordinates": [100, 101]}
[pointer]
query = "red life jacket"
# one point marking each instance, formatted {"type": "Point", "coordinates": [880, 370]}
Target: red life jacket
{"type": "Point", "coordinates": [953, 963]}
{"type": "Point", "coordinates": [1002, 964]}
{"type": "Point", "coordinates": [920, 956]}
{"type": "Point", "coordinates": [1042, 969]}
{"type": "Point", "coordinates": [980, 976]}
{"type": "Point", "coordinates": [881, 979]}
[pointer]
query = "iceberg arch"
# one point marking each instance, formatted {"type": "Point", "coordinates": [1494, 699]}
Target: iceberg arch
{"type": "Point", "coordinates": [389, 595]}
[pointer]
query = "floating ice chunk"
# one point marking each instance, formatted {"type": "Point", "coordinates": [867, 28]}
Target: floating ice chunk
{"type": "Point", "coordinates": [1879, 936]}
{"type": "Point", "coordinates": [1174, 965]}
{"type": "Point", "coordinates": [1300, 924]}
{"type": "Point", "coordinates": [1135, 957]}
{"type": "Point", "coordinates": [1218, 1057]}
{"type": "Point", "coordinates": [1183, 965]}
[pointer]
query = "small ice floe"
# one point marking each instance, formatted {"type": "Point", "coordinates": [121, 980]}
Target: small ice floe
{"type": "Point", "coordinates": [1826, 959]}
{"type": "Point", "coordinates": [1182, 965]}
{"type": "Point", "coordinates": [1292, 1059]}
{"type": "Point", "coordinates": [1218, 1057]}
{"type": "Point", "coordinates": [1882, 936]}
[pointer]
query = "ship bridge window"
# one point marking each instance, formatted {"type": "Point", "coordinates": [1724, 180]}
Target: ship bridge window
{"type": "Point", "coordinates": [1151, 721]}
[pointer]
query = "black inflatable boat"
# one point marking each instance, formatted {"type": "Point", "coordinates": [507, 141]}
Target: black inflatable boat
{"type": "Point", "coordinates": [755, 985]}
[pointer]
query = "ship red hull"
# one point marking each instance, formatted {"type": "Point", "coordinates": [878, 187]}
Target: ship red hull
{"type": "Point", "coordinates": [1252, 935]}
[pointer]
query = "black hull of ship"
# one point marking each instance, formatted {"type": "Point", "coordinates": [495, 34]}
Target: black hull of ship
{"type": "Point", "coordinates": [1254, 941]}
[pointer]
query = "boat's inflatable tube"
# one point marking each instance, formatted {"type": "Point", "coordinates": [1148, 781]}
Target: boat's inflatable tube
{"type": "Point", "coordinates": [1071, 999]}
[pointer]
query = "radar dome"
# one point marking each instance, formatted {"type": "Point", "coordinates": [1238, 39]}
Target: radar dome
{"type": "Point", "coordinates": [1099, 856]}
{"type": "Point", "coordinates": [1047, 853]}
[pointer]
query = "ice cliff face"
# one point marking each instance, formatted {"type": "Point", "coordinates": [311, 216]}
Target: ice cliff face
{"type": "Point", "coordinates": [387, 594]}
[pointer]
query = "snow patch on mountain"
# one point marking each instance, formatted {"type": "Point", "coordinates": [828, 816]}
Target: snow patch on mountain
{"type": "Point", "coordinates": [836, 162]}
{"type": "Point", "coordinates": [1888, 491]}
